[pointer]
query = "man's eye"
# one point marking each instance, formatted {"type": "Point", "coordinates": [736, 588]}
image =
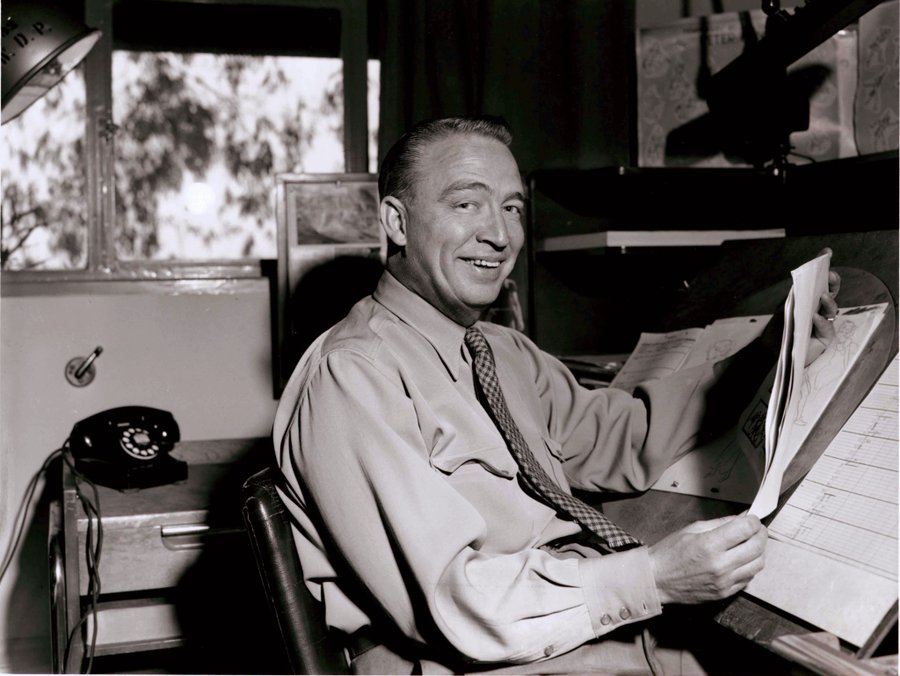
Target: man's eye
{"type": "Point", "coordinates": [465, 206]}
{"type": "Point", "coordinates": [513, 209]}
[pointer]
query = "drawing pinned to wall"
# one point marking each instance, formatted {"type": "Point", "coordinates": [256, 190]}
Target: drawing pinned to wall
{"type": "Point", "coordinates": [877, 110]}
{"type": "Point", "coordinates": [675, 64]}
{"type": "Point", "coordinates": [335, 211]}
{"type": "Point", "coordinates": [670, 62]}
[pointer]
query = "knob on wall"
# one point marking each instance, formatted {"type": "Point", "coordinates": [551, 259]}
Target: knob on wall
{"type": "Point", "coordinates": [80, 371]}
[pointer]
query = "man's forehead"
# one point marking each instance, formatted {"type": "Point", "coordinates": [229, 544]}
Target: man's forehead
{"type": "Point", "coordinates": [462, 157]}
{"type": "Point", "coordinates": [456, 139]}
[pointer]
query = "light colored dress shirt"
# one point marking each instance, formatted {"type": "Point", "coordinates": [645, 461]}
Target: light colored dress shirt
{"type": "Point", "coordinates": [395, 471]}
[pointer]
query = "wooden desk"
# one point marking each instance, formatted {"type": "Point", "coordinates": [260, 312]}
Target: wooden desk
{"type": "Point", "coordinates": [153, 539]}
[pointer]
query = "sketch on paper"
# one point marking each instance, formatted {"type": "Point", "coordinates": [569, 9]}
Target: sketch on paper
{"type": "Point", "coordinates": [819, 375]}
{"type": "Point", "coordinates": [731, 467]}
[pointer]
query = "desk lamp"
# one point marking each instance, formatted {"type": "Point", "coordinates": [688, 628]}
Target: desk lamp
{"type": "Point", "coordinates": [41, 43]}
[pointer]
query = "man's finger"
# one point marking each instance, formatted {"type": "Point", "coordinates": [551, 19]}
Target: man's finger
{"type": "Point", "coordinates": [710, 524]}
{"type": "Point", "coordinates": [745, 570]}
{"type": "Point", "coordinates": [736, 566]}
{"type": "Point", "coordinates": [734, 532]}
{"type": "Point", "coordinates": [834, 283]}
{"type": "Point", "coordinates": [823, 329]}
{"type": "Point", "coordinates": [829, 306]}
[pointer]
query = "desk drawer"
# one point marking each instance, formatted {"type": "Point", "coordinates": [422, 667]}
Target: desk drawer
{"type": "Point", "coordinates": [147, 625]}
{"type": "Point", "coordinates": [139, 557]}
{"type": "Point", "coordinates": [152, 536]}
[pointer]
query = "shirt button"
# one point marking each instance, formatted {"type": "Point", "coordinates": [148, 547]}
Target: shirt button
{"type": "Point", "coordinates": [624, 613]}
{"type": "Point", "coordinates": [548, 651]}
{"type": "Point", "coordinates": [605, 619]}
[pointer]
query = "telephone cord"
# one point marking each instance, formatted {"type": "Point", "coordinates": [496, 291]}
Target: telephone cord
{"type": "Point", "coordinates": [93, 548]}
{"type": "Point", "coordinates": [21, 516]}
{"type": "Point", "coordinates": [93, 544]}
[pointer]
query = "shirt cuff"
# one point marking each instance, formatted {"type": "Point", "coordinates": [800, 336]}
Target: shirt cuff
{"type": "Point", "coordinates": [619, 589]}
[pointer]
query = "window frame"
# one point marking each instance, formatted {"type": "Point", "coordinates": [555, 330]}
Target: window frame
{"type": "Point", "coordinates": [99, 144]}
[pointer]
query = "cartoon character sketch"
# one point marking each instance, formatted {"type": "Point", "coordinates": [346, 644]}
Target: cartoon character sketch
{"type": "Point", "coordinates": [719, 349]}
{"type": "Point", "coordinates": [829, 368]}
{"type": "Point", "coordinates": [724, 463]}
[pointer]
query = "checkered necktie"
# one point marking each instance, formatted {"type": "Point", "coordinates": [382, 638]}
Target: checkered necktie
{"type": "Point", "coordinates": [534, 475]}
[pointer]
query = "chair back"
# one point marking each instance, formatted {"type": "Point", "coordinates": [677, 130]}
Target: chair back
{"type": "Point", "coordinates": [310, 648]}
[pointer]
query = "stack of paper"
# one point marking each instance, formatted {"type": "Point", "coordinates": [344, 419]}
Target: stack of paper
{"type": "Point", "coordinates": [810, 283]}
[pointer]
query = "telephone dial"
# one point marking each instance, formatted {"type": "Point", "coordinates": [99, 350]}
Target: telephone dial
{"type": "Point", "coordinates": [127, 448]}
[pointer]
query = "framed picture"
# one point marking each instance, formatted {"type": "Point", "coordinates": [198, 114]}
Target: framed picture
{"type": "Point", "coordinates": [331, 252]}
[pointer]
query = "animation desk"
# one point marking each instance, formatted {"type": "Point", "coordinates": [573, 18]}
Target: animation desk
{"type": "Point", "coordinates": [751, 279]}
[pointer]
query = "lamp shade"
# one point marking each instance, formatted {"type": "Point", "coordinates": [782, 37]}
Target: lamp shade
{"type": "Point", "coordinates": [41, 43]}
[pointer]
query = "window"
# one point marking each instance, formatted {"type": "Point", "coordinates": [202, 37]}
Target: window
{"type": "Point", "coordinates": [204, 104]}
{"type": "Point", "coordinates": [44, 211]}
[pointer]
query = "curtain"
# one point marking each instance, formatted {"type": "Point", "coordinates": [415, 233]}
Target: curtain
{"type": "Point", "coordinates": [558, 70]}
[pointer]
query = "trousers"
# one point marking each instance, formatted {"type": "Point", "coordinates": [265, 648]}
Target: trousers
{"type": "Point", "coordinates": [607, 657]}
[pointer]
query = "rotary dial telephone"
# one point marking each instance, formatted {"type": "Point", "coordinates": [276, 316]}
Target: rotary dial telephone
{"type": "Point", "coordinates": [128, 448]}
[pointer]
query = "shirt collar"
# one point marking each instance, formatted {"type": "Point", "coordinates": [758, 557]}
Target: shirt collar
{"type": "Point", "coordinates": [444, 334]}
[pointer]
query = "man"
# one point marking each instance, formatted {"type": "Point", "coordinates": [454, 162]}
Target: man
{"type": "Point", "coordinates": [416, 517]}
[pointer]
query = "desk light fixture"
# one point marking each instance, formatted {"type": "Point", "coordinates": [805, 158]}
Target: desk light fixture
{"type": "Point", "coordinates": [41, 43]}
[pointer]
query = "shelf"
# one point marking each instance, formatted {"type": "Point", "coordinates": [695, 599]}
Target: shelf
{"type": "Point", "coordinates": [651, 238]}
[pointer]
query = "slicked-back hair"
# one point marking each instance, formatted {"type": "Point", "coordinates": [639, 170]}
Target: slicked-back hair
{"type": "Point", "coordinates": [397, 178]}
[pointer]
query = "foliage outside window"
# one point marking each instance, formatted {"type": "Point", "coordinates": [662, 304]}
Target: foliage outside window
{"type": "Point", "coordinates": [196, 159]}
{"type": "Point", "coordinates": [44, 210]}
{"type": "Point", "coordinates": [197, 142]}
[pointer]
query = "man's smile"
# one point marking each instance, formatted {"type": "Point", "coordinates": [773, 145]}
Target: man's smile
{"type": "Point", "coordinates": [483, 262]}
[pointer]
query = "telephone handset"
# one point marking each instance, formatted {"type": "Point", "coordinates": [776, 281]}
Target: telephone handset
{"type": "Point", "coordinates": [127, 447]}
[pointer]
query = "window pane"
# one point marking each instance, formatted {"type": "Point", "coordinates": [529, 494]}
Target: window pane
{"type": "Point", "coordinates": [201, 138]}
{"type": "Point", "coordinates": [44, 212]}
{"type": "Point", "coordinates": [373, 94]}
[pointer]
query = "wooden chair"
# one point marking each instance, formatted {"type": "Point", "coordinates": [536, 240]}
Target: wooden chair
{"type": "Point", "coordinates": [309, 647]}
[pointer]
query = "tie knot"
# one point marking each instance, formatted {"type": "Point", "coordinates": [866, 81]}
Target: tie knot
{"type": "Point", "coordinates": [476, 342]}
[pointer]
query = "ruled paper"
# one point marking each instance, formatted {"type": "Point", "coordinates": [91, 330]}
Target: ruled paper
{"type": "Point", "coordinates": [831, 559]}
{"type": "Point", "coordinates": [846, 507]}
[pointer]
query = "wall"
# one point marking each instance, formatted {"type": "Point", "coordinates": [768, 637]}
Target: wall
{"type": "Point", "coordinates": [201, 350]}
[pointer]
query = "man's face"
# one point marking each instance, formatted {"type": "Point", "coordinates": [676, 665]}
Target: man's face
{"type": "Point", "coordinates": [463, 227]}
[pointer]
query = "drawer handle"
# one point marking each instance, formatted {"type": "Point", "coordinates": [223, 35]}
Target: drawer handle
{"type": "Point", "coordinates": [181, 529]}
{"type": "Point", "coordinates": [191, 535]}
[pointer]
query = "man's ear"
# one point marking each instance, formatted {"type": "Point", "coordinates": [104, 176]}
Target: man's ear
{"type": "Point", "coordinates": [394, 220]}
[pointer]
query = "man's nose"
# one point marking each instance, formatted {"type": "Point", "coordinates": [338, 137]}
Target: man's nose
{"type": "Point", "coordinates": [494, 230]}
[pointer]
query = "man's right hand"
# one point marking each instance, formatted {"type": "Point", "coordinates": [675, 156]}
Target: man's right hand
{"type": "Point", "coordinates": [708, 560]}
